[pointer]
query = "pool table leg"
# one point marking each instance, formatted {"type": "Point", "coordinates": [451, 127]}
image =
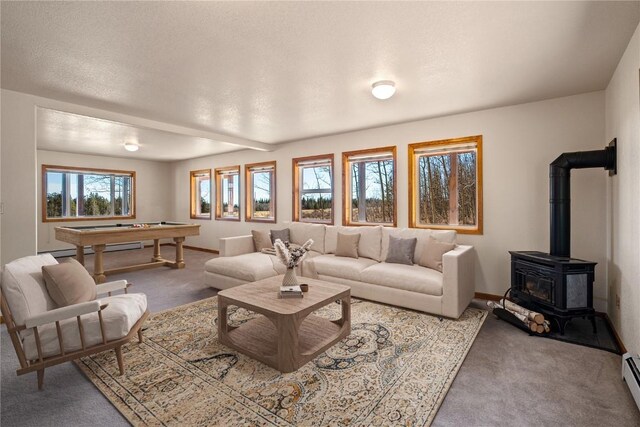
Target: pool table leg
{"type": "Point", "coordinates": [156, 251]}
{"type": "Point", "coordinates": [179, 252]}
{"type": "Point", "coordinates": [80, 254]}
{"type": "Point", "coordinates": [98, 267]}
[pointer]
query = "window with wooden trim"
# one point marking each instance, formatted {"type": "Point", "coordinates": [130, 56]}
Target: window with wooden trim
{"type": "Point", "coordinates": [313, 189]}
{"type": "Point", "coordinates": [228, 193]}
{"type": "Point", "coordinates": [75, 194]}
{"type": "Point", "coordinates": [201, 194]}
{"type": "Point", "coordinates": [445, 184]}
{"type": "Point", "coordinates": [260, 192]}
{"type": "Point", "coordinates": [369, 187]}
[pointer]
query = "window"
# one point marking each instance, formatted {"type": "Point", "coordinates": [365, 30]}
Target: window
{"type": "Point", "coordinates": [201, 194]}
{"type": "Point", "coordinates": [445, 181]}
{"type": "Point", "coordinates": [313, 189]}
{"type": "Point", "coordinates": [260, 181]}
{"type": "Point", "coordinates": [74, 194]}
{"type": "Point", "coordinates": [228, 193]}
{"type": "Point", "coordinates": [369, 187]}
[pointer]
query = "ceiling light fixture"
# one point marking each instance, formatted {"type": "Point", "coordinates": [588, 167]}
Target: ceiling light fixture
{"type": "Point", "coordinates": [131, 146]}
{"type": "Point", "coordinates": [384, 89]}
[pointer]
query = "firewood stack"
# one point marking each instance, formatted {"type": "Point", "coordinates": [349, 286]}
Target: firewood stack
{"type": "Point", "coordinates": [533, 320]}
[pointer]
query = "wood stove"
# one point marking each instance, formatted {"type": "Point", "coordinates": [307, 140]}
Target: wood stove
{"type": "Point", "coordinates": [558, 287]}
{"type": "Point", "coordinates": [555, 284]}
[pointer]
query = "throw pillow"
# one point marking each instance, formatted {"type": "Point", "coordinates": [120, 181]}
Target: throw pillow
{"type": "Point", "coordinates": [401, 250]}
{"type": "Point", "coordinates": [69, 283]}
{"type": "Point", "coordinates": [348, 245]}
{"type": "Point", "coordinates": [280, 234]}
{"type": "Point", "coordinates": [432, 253]}
{"type": "Point", "coordinates": [261, 240]}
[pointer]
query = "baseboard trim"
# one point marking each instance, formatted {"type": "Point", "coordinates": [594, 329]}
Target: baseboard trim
{"type": "Point", "coordinates": [194, 248]}
{"type": "Point", "coordinates": [606, 317]}
{"type": "Point", "coordinates": [88, 250]}
{"type": "Point", "coordinates": [488, 297]}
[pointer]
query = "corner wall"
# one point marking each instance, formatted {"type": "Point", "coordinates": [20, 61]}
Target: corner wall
{"type": "Point", "coordinates": [623, 192]}
{"type": "Point", "coordinates": [22, 232]}
{"type": "Point", "coordinates": [18, 170]}
{"type": "Point", "coordinates": [519, 143]}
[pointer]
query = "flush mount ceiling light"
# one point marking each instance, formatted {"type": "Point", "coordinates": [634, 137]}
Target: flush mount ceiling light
{"type": "Point", "coordinates": [384, 89]}
{"type": "Point", "coordinates": [131, 146]}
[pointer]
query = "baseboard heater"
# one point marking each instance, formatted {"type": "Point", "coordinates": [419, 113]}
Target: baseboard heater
{"type": "Point", "coordinates": [88, 250]}
{"type": "Point", "coordinates": [631, 374]}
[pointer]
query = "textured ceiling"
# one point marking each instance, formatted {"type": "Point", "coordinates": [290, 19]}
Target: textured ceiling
{"type": "Point", "coordinates": [74, 133]}
{"type": "Point", "coordinates": [281, 71]}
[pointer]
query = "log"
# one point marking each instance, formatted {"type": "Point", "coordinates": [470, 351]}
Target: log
{"type": "Point", "coordinates": [519, 316]}
{"type": "Point", "coordinates": [531, 315]}
{"type": "Point", "coordinates": [531, 324]}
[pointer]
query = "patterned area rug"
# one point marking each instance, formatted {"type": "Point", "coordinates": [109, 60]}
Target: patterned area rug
{"type": "Point", "coordinates": [394, 369]}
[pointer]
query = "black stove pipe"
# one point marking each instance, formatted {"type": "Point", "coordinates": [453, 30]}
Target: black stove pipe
{"type": "Point", "coordinates": [560, 191]}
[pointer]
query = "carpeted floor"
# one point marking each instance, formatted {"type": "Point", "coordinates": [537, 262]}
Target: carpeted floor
{"type": "Point", "coordinates": [508, 378]}
{"type": "Point", "coordinates": [395, 367]}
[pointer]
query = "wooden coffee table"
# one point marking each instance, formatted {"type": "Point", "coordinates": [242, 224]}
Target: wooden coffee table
{"type": "Point", "coordinates": [287, 335]}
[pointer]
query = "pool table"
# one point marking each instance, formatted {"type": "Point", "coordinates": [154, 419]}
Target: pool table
{"type": "Point", "coordinates": [99, 236]}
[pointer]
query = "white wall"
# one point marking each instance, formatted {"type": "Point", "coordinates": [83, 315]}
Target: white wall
{"type": "Point", "coordinates": [623, 123]}
{"type": "Point", "coordinates": [18, 170]}
{"type": "Point", "coordinates": [153, 201]}
{"type": "Point", "coordinates": [21, 230]}
{"type": "Point", "coordinates": [519, 143]}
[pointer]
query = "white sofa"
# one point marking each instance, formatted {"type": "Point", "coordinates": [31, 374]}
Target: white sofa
{"type": "Point", "coordinates": [411, 286]}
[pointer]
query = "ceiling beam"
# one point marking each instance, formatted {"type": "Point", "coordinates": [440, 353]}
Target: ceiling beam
{"type": "Point", "coordinates": [150, 124]}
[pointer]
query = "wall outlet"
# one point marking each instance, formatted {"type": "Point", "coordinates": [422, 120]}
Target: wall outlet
{"type": "Point", "coordinates": [617, 300]}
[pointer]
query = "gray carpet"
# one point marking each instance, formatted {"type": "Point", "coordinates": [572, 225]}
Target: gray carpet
{"type": "Point", "coordinates": [508, 378]}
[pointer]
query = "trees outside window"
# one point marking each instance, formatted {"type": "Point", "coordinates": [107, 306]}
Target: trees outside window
{"type": "Point", "coordinates": [313, 189]}
{"type": "Point", "coordinates": [446, 184]}
{"type": "Point", "coordinates": [74, 194]}
{"type": "Point", "coordinates": [369, 187]}
{"type": "Point", "coordinates": [228, 193]}
{"type": "Point", "coordinates": [260, 192]}
{"type": "Point", "coordinates": [201, 194]}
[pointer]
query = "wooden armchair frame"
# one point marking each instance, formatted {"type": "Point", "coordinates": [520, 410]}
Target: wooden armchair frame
{"type": "Point", "coordinates": [56, 316]}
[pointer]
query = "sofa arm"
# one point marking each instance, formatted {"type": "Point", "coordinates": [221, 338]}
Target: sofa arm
{"type": "Point", "coordinates": [458, 269]}
{"type": "Point", "coordinates": [232, 246]}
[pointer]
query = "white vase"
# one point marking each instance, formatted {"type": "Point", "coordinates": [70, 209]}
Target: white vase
{"type": "Point", "coordinates": [290, 278]}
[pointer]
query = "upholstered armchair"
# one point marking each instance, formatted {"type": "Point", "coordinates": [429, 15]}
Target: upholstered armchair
{"type": "Point", "coordinates": [45, 335]}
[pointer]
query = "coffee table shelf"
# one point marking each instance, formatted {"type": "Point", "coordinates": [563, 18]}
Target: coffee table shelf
{"type": "Point", "coordinates": [287, 335]}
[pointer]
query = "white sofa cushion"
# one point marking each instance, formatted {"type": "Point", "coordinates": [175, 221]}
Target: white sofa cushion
{"type": "Point", "coordinates": [24, 288]}
{"type": "Point", "coordinates": [446, 236]}
{"type": "Point", "coordinates": [335, 266]}
{"type": "Point", "coordinates": [300, 232]}
{"type": "Point", "coordinates": [406, 277]}
{"type": "Point", "coordinates": [122, 312]}
{"type": "Point", "coordinates": [370, 240]}
{"type": "Point", "coordinates": [305, 268]}
{"type": "Point", "coordinates": [250, 267]}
